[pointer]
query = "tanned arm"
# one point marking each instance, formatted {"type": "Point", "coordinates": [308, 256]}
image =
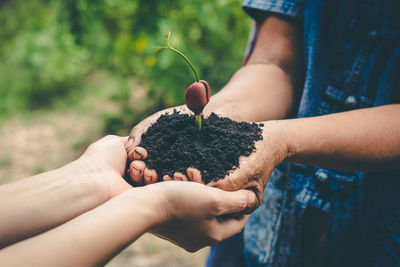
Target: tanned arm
{"type": "Point", "coordinates": [265, 88]}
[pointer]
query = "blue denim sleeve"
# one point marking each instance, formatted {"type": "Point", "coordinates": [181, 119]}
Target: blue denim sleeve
{"type": "Point", "coordinates": [258, 8]}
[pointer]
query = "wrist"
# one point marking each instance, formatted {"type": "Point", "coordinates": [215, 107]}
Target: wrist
{"type": "Point", "coordinates": [89, 178]}
{"type": "Point", "coordinates": [277, 140]}
{"type": "Point", "coordinates": [59, 195]}
{"type": "Point", "coordinates": [151, 205]}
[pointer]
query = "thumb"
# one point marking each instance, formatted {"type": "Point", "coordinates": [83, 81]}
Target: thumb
{"type": "Point", "coordinates": [134, 139]}
{"type": "Point", "coordinates": [236, 201]}
{"type": "Point", "coordinates": [124, 140]}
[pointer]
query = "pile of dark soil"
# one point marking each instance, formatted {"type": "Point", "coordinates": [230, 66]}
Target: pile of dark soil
{"type": "Point", "coordinates": [173, 144]}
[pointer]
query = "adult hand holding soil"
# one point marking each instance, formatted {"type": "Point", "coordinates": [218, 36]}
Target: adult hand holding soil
{"type": "Point", "coordinates": [254, 171]}
{"type": "Point", "coordinates": [242, 99]}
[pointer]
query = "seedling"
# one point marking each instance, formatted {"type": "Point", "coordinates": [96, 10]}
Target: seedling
{"type": "Point", "coordinates": [198, 93]}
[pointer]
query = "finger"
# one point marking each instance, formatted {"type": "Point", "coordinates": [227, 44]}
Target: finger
{"type": "Point", "coordinates": [167, 178]}
{"type": "Point", "coordinates": [127, 142]}
{"type": "Point", "coordinates": [241, 178]}
{"type": "Point", "coordinates": [137, 153]}
{"type": "Point", "coordinates": [178, 176]}
{"type": "Point", "coordinates": [130, 143]}
{"type": "Point", "coordinates": [124, 140]}
{"type": "Point", "coordinates": [253, 187]}
{"type": "Point", "coordinates": [194, 175]}
{"type": "Point", "coordinates": [154, 177]}
{"type": "Point", "coordinates": [237, 179]}
{"type": "Point", "coordinates": [135, 137]}
{"type": "Point", "coordinates": [228, 184]}
{"type": "Point", "coordinates": [236, 201]}
{"type": "Point", "coordinates": [136, 170]}
{"type": "Point", "coordinates": [138, 130]}
{"type": "Point", "coordinates": [150, 176]}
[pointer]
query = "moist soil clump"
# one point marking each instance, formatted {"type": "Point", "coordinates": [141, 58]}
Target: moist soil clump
{"type": "Point", "coordinates": [174, 144]}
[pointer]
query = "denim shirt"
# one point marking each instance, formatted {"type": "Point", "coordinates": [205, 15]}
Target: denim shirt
{"type": "Point", "coordinates": [352, 61]}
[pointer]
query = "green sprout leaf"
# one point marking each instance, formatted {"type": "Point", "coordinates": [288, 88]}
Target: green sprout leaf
{"type": "Point", "coordinates": [167, 37]}
{"type": "Point", "coordinates": [158, 48]}
{"type": "Point", "coordinates": [169, 47]}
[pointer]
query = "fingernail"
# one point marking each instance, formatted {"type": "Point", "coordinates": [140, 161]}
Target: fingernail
{"type": "Point", "coordinates": [136, 171]}
{"type": "Point", "coordinates": [253, 199]}
{"type": "Point", "coordinates": [189, 173]}
{"type": "Point", "coordinates": [166, 178]}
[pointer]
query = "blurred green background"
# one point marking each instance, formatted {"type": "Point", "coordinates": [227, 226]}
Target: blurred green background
{"type": "Point", "coordinates": [54, 53]}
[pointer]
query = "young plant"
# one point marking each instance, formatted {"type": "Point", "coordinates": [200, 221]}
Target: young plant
{"type": "Point", "coordinates": [198, 93]}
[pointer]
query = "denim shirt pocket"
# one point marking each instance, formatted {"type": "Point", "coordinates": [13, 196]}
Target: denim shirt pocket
{"type": "Point", "coordinates": [328, 178]}
{"type": "Point", "coordinates": [335, 179]}
{"type": "Point", "coordinates": [360, 55]}
{"type": "Point", "coordinates": [341, 100]}
{"type": "Point", "coordinates": [390, 20]}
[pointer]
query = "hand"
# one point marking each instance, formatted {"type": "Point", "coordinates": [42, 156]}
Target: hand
{"type": "Point", "coordinates": [105, 163]}
{"type": "Point", "coordinates": [136, 154]}
{"type": "Point", "coordinates": [254, 171]}
{"type": "Point", "coordinates": [195, 215]}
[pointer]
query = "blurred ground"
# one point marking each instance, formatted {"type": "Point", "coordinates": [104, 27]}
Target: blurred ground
{"type": "Point", "coordinates": [150, 251]}
{"type": "Point", "coordinates": [41, 141]}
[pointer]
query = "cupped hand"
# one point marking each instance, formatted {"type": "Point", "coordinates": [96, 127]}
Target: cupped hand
{"type": "Point", "coordinates": [195, 215]}
{"type": "Point", "coordinates": [252, 174]}
{"type": "Point", "coordinates": [254, 171]}
{"type": "Point", "coordinates": [105, 162]}
{"type": "Point", "coordinates": [138, 171]}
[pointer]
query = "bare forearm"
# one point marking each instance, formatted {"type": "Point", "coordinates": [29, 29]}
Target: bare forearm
{"type": "Point", "coordinates": [265, 88]}
{"type": "Point", "coordinates": [41, 202]}
{"type": "Point", "coordinates": [365, 139]}
{"type": "Point", "coordinates": [185, 213]}
{"type": "Point", "coordinates": [92, 238]}
{"type": "Point", "coordinates": [256, 92]}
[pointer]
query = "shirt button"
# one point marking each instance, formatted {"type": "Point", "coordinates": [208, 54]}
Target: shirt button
{"type": "Point", "coordinates": [373, 34]}
{"type": "Point", "coordinates": [350, 101]}
{"type": "Point", "coordinates": [321, 175]}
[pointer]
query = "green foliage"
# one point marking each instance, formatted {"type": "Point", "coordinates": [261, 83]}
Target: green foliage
{"type": "Point", "coordinates": [49, 48]}
{"type": "Point", "coordinates": [40, 59]}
